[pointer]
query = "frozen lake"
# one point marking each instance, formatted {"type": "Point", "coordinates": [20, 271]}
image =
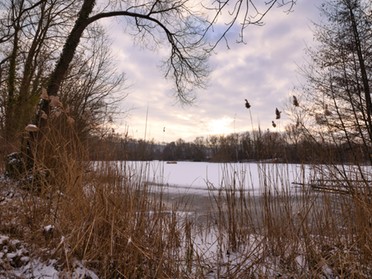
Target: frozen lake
{"type": "Point", "coordinates": [203, 177]}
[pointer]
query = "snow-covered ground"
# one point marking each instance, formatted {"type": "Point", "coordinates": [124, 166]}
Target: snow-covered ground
{"type": "Point", "coordinates": [20, 260]}
{"type": "Point", "coordinates": [17, 261]}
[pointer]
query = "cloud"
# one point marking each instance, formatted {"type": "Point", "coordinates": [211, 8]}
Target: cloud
{"type": "Point", "coordinates": [263, 70]}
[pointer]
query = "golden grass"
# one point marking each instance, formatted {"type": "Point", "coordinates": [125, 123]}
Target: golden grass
{"type": "Point", "coordinates": [113, 223]}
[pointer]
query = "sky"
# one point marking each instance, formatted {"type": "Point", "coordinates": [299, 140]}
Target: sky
{"type": "Point", "coordinates": [264, 70]}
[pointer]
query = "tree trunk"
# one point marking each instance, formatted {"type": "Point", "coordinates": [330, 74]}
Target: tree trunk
{"type": "Point", "coordinates": [69, 48]}
{"type": "Point", "coordinates": [367, 93]}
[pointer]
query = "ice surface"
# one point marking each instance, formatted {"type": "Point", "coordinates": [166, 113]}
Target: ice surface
{"type": "Point", "coordinates": [203, 177]}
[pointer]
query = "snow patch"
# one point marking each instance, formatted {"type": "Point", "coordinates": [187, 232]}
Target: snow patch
{"type": "Point", "coordinates": [16, 261]}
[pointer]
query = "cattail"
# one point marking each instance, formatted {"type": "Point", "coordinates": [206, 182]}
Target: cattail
{"type": "Point", "coordinates": [44, 94]}
{"type": "Point", "coordinates": [295, 101]}
{"type": "Point", "coordinates": [43, 115]}
{"type": "Point", "coordinates": [247, 105]}
{"type": "Point", "coordinates": [55, 102]}
{"type": "Point", "coordinates": [70, 120]}
{"type": "Point", "coordinates": [327, 112]}
{"type": "Point", "coordinates": [277, 113]}
{"type": "Point", "coordinates": [320, 119]}
{"type": "Point", "coordinates": [56, 113]}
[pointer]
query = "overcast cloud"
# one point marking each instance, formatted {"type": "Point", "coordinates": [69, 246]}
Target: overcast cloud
{"type": "Point", "coordinates": [264, 71]}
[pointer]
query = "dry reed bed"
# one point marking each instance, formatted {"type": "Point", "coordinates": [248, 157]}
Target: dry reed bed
{"type": "Point", "coordinates": [112, 222]}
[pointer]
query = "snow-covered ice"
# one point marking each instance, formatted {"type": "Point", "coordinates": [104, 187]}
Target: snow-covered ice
{"type": "Point", "coordinates": [203, 177]}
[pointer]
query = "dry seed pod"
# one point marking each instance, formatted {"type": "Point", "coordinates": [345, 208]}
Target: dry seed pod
{"type": "Point", "coordinates": [247, 104]}
{"type": "Point", "coordinates": [57, 113]}
{"type": "Point", "coordinates": [295, 101]}
{"type": "Point", "coordinates": [55, 102]}
{"type": "Point", "coordinates": [70, 120]}
{"type": "Point", "coordinates": [43, 115]}
{"type": "Point", "coordinates": [44, 94]}
{"type": "Point", "coordinates": [277, 113]}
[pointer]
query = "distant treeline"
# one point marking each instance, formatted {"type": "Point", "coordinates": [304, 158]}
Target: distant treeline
{"type": "Point", "coordinates": [256, 146]}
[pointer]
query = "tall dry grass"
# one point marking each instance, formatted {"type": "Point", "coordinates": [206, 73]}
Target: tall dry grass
{"type": "Point", "coordinates": [295, 234]}
{"type": "Point", "coordinates": [98, 214]}
{"type": "Point", "coordinates": [109, 218]}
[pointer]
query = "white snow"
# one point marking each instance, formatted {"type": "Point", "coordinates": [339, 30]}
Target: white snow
{"type": "Point", "coordinates": [38, 270]}
{"type": "Point", "coordinates": [33, 267]}
{"type": "Point", "coordinates": [48, 228]}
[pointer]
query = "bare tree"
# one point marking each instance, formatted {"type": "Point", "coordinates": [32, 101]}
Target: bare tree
{"type": "Point", "coordinates": [32, 35]}
{"type": "Point", "coordinates": [184, 28]}
{"type": "Point", "coordinates": [30, 40]}
{"type": "Point", "coordinates": [182, 24]}
{"type": "Point", "coordinates": [37, 30]}
{"type": "Point", "coordinates": [339, 76]}
{"type": "Point", "coordinates": [92, 87]}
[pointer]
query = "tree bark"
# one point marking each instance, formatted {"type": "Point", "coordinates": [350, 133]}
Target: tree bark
{"type": "Point", "coordinates": [69, 48]}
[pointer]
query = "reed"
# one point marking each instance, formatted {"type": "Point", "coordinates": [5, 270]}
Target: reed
{"type": "Point", "coordinates": [106, 216]}
{"type": "Point", "coordinates": [300, 234]}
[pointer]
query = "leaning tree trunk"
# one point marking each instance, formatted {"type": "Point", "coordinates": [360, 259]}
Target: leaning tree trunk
{"type": "Point", "coordinates": [69, 48]}
{"type": "Point", "coordinates": [19, 163]}
{"type": "Point", "coordinates": [365, 81]}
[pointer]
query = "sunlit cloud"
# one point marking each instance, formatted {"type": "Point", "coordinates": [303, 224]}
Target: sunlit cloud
{"type": "Point", "coordinates": [221, 126]}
